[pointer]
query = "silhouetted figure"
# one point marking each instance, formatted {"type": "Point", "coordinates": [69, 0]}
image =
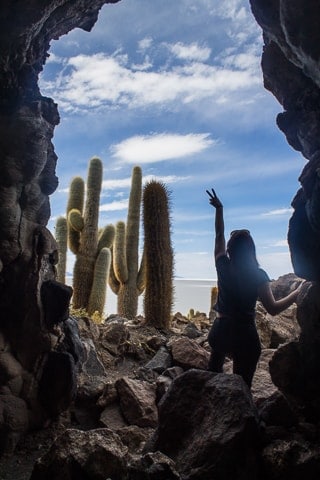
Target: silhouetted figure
{"type": "Point", "coordinates": [240, 283]}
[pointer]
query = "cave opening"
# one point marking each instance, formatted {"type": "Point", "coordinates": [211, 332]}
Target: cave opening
{"type": "Point", "coordinates": [155, 86]}
{"type": "Point", "coordinates": [226, 121]}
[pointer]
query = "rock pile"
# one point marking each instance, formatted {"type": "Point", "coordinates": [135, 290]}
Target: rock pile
{"type": "Point", "coordinates": [146, 408]}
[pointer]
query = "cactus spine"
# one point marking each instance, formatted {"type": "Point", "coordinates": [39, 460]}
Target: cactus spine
{"type": "Point", "coordinates": [126, 278]}
{"type": "Point", "coordinates": [61, 235]}
{"type": "Point", "coordinates": [158, 297]}
{"type": "Point", "coordinates": [85, 240]}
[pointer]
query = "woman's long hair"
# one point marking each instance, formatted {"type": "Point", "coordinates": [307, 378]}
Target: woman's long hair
{"type": "Point", "coordinates": [242, 251]}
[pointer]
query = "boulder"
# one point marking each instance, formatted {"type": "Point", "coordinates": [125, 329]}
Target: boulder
{"type": "Point", "coordinates": [111, 417]}
{"type": "Point", "coordinates": [138, 402]}
{"type": "Point", "coordinates": [278, 329]}
{"type": "Point", "coordinates": [186, 353]}
{"type": "Point", "coordinates": [208, 425]}
{"type": "Point", "coordinates": [161, 361]}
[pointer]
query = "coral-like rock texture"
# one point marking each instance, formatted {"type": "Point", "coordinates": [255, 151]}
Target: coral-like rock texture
{"type": "Point", "coordinates": [28, 252]}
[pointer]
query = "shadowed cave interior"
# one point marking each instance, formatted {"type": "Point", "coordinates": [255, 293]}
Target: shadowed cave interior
{"type": "Point", "coordinates": [34, 306]}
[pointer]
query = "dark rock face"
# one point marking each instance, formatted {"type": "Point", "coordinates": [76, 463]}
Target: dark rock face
{"type": "Point", "coordinates": [291, 70]}
{"type": "Point", "coordinates": [28, 252]}
{"type": "Point", "coordinates": [208, 426]}
{"type": "Point", "coordinates": [295, 366]}
{"type": "Point", "coordinates": [32, 324]}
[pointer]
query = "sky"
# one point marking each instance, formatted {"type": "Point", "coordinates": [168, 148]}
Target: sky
{"type": "Point", "coordinates": [176, 88]}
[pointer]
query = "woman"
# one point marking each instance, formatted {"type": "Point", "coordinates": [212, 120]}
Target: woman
{"type": "Point", "coordinates": [240, 283]}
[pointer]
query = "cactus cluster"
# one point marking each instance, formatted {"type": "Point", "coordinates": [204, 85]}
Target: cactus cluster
{"type": "Point", "coordinates": [90, 245]}
{"type": "Point", "coordinates": [112, 254]}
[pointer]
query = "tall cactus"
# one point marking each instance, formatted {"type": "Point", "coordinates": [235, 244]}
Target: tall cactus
{"type": "Point", "coordinates": [158, 298]}
{"type": "Point", "coordinates": [61, 235]}
{"type": "Point", "coordinates": [85, 240]}
{"type": "Point", "coordinates": [126, 279]}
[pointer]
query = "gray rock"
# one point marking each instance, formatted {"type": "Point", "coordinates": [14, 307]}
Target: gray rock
{"type": "Point", "coordinates": [161, 361]}
{"type": "Point", "coordinates": [208, 425]}
{"type": "Point", "coordinates": [138, 402]}
{"type": "Point", "coordinates": [186, 353]}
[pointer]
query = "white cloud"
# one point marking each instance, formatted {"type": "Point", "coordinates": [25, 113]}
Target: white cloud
{"type": "Point", "coordinates": [167, 179]}
{"type": "Point", "coordinates": [159, 147]}
{"type": "Point", "coordinates": [116, 183]}
{"type": "Point", "coordinates": [114, 206]}
{"type": "Point", "coordinates": [190, 51]}
{"type": "Point", "coordinates": [279, 211]}
{"type": "Point", "coordinates": [145, 43]}
{"type": "Point", "coordinates": [126, 182]}
{"type": "Point", "coordinates": [100, 80]}
{"type": "Point", "coordinates": [241, 61]}
{"type": "Point", "coordinates": [280, 243]}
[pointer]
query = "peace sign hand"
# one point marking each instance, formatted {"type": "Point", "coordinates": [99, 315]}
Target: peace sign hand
{"type": "Point", "coordinates": [213, 199]}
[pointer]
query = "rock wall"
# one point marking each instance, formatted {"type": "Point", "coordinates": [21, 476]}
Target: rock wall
{"type": "Point", "coordinates": [31, 302]}
{"type": "Point", "coordinates": [32, 305]}
{"type": "Point", "coordinates": [291, 71]}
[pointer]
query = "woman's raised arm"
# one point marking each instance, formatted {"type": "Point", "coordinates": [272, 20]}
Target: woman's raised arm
{"type": "Point", "coordinates": [220, 242]}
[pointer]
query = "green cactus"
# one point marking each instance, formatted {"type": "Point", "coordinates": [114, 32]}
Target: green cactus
{"type": "Point", "coordinates": [126, 279]}
{"type": "Point", "coordinates": [85, 240]}
{"type": "Point", "coordinates": [98, 293]}
{"type": "Point", "coordinates": [158, 298]}
{"type": "Point", "coordinates": [61, 235]}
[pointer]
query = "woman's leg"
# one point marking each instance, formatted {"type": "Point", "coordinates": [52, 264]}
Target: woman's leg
{"type": "Point", "coordinates": [246, 351]}
{"type": "Point", "coordinates": [219, 341]}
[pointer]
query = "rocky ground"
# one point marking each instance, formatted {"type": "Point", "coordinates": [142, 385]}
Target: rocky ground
{"type": "Point", "coordinates": [127, 367]}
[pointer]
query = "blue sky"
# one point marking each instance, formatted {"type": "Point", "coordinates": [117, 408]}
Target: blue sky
{"type": "Point", "coordinates": [176, 87]}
